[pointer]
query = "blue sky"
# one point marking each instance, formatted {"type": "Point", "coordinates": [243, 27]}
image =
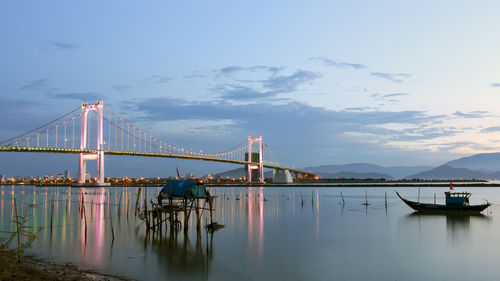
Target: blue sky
{"type": "Point", "coordinates": [324, 82]}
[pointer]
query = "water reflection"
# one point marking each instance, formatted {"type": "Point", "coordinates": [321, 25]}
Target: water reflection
{"type": "Point", "coordinates": [457, 225]}
{"type": "Point", "coordinates": [176, 254]}
{"type": "Point", "coordinates": [270, 234]}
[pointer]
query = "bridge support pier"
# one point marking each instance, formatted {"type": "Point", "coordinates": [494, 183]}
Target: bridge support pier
{"type": "Point", "coordinates": [99, 154]}
{"type": "Point", "coordinates": [250, 166]}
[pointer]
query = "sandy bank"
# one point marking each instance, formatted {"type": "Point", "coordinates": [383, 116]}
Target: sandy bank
{"type": "Point", "coordinates": [32, 268]}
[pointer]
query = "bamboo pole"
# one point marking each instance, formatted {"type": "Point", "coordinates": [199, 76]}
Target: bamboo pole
{"type": "Point", "coordinates": [341, 195]}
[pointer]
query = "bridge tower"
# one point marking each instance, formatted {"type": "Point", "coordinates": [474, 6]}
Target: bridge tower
{"type": "Point", "coordinates": [251, 167]}
{"type": "Point", "coordinates": [99, 154]}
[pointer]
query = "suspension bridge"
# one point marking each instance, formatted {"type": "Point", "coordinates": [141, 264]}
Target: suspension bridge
{"type": "Point", "coordinates": [93, 130]}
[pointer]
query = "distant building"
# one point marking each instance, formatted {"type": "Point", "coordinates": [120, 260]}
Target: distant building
{"type": "Point", "coordinates": [2, 177]}
{"type": "Point", "coordinates": [66, 174]}
{"type": "Point", "coordinates": [49, 177]}
{"type": "Point", "coordinates": [60, 177]}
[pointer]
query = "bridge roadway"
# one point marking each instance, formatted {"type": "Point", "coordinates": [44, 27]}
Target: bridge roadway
{"type": "Point", "coordinates": [146, 154]}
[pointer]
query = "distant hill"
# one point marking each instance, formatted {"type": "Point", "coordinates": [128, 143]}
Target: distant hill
{"type": "Point", "coordinates": [239, 173]}
{"type": "Point", "coordinates": [488, 162]}
{"type": "Point", "coordinates": [479, 166]}
{"type": "Point", "coordinates": [448, 172]}
{"type": "Point", "coordinates": [397, 172]}
{"type": "Point", "coordinates": [352, 175]}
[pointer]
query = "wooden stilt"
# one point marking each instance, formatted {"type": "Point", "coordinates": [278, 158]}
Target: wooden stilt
{"type": "Point", "coordinates": [137, 201]}
{"type": "Point", "coordinates": [198, 223]}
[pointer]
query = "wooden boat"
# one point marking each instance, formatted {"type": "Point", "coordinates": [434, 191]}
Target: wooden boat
{"type": "Point", "coordinates": [456, 202]}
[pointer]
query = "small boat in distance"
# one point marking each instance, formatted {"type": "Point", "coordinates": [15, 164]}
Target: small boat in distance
{"type": "Point", "coordinates": [456, 202]}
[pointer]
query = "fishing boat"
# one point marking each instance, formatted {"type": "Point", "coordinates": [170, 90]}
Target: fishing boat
{"type": "Point", "coordinates": [456, 202]}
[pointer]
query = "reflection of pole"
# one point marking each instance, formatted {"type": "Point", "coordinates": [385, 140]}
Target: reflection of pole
{"type": "Point", "coordinates": [18, 234]}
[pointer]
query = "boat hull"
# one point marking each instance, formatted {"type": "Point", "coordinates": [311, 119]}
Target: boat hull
{"type": "Point", "coordinates": [426, 207]}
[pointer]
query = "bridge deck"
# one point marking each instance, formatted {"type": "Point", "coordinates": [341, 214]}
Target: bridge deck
{"type": "Point", "coordinates": [145, 154]}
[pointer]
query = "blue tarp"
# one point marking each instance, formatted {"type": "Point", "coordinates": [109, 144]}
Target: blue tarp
{"type": "Point", "coordinates": [183, 188]}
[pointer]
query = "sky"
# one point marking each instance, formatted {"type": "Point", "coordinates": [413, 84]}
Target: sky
{"type": "Point", "coordinates": [393, 83]}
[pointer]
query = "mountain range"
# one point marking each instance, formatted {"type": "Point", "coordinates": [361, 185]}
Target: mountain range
{"type": "Point", "coordinates": [478, 166]}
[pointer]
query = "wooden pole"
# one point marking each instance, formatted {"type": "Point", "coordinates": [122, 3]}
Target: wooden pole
{"type": "Point", "coordinates": [418, 195]}
{"type": "Point", "coordinates": [146, 207]}
{"type": "Point", "coordinates": [18, 234]}
{"type": "Point", "coordinates": [210, 202]}
{"type": "Point", "coordinates": [386, 200]}
{"type": "Point", "coordinates": [120, 204]}
{"type": "Point", "coordinates": [198, 223]}
{"type": "Point", "coordinates": [434, 198]}
{"type": "Point", "coordinates": [51, 214]}
{"type": "Point", "coordinates": [302, 200]}
{"type": "Point", "coordinates": [137, 201]}
{"type": "Point", "coordinates": [85, 218]}
{"type": "Point", "coordinates": [185, 215]}
{"type": "Point", "coordinates": [111, 220]}
{"type": "Point", "coordinates": [341, 195]}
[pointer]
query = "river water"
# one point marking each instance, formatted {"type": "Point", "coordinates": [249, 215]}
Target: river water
{"type": "Point", "coordinates": [270, 233]}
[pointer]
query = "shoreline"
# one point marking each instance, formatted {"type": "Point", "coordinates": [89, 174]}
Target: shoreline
{"type": "Point", "coordinates": [35, 268]}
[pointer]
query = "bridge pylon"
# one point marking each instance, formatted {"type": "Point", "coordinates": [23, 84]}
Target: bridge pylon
{"type": "Point", "coordinates": [99, 154]}
{"type": "Point", "coordinates": [260, 166]}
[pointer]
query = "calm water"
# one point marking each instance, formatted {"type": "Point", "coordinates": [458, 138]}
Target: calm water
{"type": "Point", "coordinates": [301, 233]}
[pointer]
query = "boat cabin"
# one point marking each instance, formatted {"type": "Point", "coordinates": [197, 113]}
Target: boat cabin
{"type": "Point", "coordinates": [457, 198]}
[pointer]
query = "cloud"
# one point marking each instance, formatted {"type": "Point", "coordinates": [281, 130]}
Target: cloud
{"type": "Point", "coordinates": [37, 85]}
{"type": "Point", "coordinates": [231, 70]}
{"type": "Point", "coordinates": [83, 96]}
{"type": "Point", "coordinates": [495, 85]}
{"type": "Point", "coordinates": [121, 88]}
{"type": "Point", "coordinates": [242, 93]}
{"type": "Point", "coordinates": [365, 108]}
{"type": "Point", "coordinates": [62, 45]}
{"type": "Point", "coordinates": [394, 77]}
{"type": "Point", "coordinates": [491, 129]}
{"type": "Point", "coordinates": [287, 84]}
{"type": "Point", "coordinates": [228, 70]}
{"type": "Point", "coordinates": [291, 112]}
{"type": "Point", "coordinates": [196, 74]}
{"type": "Point", "coordinates": [271, 86]}
{"type": "Point", "coordinates": [395, 95]}
{"type": "Point", "coordinates": [339, 64]}
{"type": "Point", "coordinates": [23, 115]}
{"type": "Point", "coordinates": [319, 131]}
{"type": "Point", "coordinates": [390, 98]}
{"type": "Point", "coordinates": [158, 79]}
{"type": "Point", "coordinates": [473, 114]}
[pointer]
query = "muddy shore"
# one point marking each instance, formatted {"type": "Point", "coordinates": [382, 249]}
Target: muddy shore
{"type": "Point", "coordinates": [33, 268]}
